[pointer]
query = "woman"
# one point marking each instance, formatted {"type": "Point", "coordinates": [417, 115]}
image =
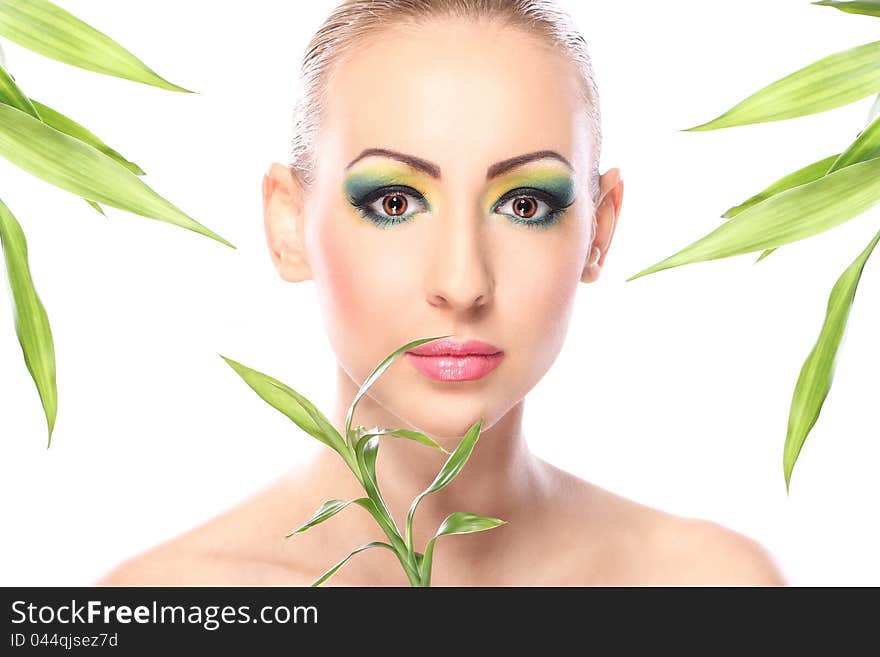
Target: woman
{"type": "Point", "coordinates": [444, 180]}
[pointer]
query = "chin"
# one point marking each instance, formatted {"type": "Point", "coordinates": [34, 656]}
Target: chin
{"type": "Point", "coordinates": [448, 416]}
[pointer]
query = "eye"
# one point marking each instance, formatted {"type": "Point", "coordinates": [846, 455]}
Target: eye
{"type": "Point", "coordinates": [390, 206]}
{"type": "Point", "coordinates": [532, 207]}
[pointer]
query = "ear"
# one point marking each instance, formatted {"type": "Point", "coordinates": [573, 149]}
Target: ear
{"type": "Point", "coordinates": [607, 212]}
{"type": "Point", "coordinates": [283, 219]}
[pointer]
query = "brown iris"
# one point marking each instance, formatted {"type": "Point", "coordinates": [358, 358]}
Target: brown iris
{"type": "Point", "coordinates": [394, 204]}
{"type": "Point", "coordinates": [525, 207]}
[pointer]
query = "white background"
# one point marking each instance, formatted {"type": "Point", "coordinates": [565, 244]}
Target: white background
{"type": "Point", "coordinates": [672, 390]}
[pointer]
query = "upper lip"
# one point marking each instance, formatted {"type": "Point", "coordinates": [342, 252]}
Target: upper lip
{"type": "Point", "coordinates": [452, 348]}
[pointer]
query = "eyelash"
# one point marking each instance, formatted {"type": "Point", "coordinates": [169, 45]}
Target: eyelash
{"type": "Point", "coordinates": [362, 205]}
{"type": "Point", "coordinates": [550, 219]}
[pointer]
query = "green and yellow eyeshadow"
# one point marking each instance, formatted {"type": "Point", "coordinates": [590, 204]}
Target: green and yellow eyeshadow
{"type": "Point", "coordinates": [372, 182]}
{"type": "Point", "coordinates": [549, 184]}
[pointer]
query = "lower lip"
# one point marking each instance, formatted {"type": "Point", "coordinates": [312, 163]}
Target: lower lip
{"type": "Point", "coordinates": [456, 368]}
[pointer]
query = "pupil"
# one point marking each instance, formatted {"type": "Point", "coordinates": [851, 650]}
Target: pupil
{"type": "Point", "coordinates": [527, 207]}
{"type": "Point", "coordinates": [395, 204]}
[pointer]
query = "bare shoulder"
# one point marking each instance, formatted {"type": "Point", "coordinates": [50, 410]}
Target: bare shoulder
{"type": "Point", "coordinates": [642, 545]}
{"type": "Point", "coordinates": [167, 565]}
{"type": "Point", "coordinates": [699, 552]}
{"type": "Point", "coordinates": [232, 548]}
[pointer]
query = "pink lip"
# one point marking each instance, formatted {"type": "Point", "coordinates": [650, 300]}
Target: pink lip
{"type": "Point", "coordinates": [447, 360]}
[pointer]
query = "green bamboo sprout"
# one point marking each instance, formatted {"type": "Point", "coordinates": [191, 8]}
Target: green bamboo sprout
{"type": "Point", "coordinates": [809, 201]}
{"type": "Point", "coordinates": [359, 449]}
{"type": "Point", "coordinates": [49, 145]}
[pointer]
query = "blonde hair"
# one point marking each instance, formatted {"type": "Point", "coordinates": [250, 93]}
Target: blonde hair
{"type": "Point", "coordinates": [352, 20]}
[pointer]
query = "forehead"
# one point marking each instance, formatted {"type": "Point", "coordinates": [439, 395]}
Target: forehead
{"type": "Point", "coordinates": [449, 88]}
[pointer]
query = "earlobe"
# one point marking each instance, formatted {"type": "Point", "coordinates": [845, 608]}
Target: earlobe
{"type": "Point", "coordinates": [283, 222]}
{"type": "Point", "coordinates": [607, 212]}
{"type": "Point", "coordinates": [592, 268]}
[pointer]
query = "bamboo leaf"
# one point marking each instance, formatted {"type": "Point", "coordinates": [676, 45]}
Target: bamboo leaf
{"type": "Point", "coordinates": [292, 404]}
{"type": "Point", "coordinates": [77, 167]}
{"type": "Point", "coordinates": [70, 127]}
{"type": "Point", "coordinates": [329, 573]}
{"type": "Point", "coordinates": [49, 30]}
{"type": "Point", "coordinates": [865, 147]}
{"type": "Point", "coordinates": [817, 372]}
{"type": "Point", "coordinates": [802, 176]}
{"type": "Point", "coordinates": [765, 254]}
{"type": "Point", "coordinates": [11, 94]}
{"type": "Point", "coordinates": [459, 522]}
{"type": "Point", "coordinates": [327, 510]}
{"type": "Point", "coordinates": [96, 206]}
{"type": "Point", "coordinates": [416, 436]}
{"type": "Point", "coordinates": [875, 109]}
{"type": "Point", "coordinates": [462, 522]}
{"type": "Point", "coordinates": [31, 321]}
{"type": "Point", "coordinates": [376, 373]}
{"type": "Point", "coordinates": [790, 216]}
{"type": "Point", "coordinates": [448, 472]}
{"type": "Point", "coordinates": [835, 80]}
{"type": "Point", "coordinates": [866, 7]}
{"type": "Point", "coordinates": [359, 431]}
{"type": "Point", "coordinates": [366, 451]}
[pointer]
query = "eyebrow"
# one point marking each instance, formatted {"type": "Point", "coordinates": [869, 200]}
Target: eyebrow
{"type": "Point", "coordinates": [434, 171]}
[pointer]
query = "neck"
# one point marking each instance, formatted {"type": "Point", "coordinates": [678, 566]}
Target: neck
{"type": "Point", "coordinates": [501, 479]}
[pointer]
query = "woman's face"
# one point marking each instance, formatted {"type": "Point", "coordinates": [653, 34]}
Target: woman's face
{"type": "Point", "coordinates": [446, 229]}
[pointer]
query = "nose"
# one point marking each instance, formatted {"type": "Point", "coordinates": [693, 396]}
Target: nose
{"type": "Point", "coordinates": [459, 272]}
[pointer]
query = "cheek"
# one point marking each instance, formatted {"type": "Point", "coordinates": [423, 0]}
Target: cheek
{"type": "Point", "coordinates": [541, 289]}
{"type": "Point", "coordinates": [358, 286]}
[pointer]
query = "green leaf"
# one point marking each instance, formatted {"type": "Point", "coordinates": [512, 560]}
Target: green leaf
{"type": "Point", "coordinates": [376, 373]}
{"type": "Point", "coordinates": [327, 510]}
{"type": "Point", "coordinates": [366, 451]}
{"type": "Point", "coordinates": [462, 522]}
{"type": "Point", "coordinates": [49, 30]}
{"type": "Point", "coordinates": [11, 94]}
{"type": "Point", "coordinates": [866, 7]}
{"type": "Point", "coordinates": [459, 522]}
{"type": "Point", "coordinates": [765, 254]}
{"type": "Point", "coordinates": [329, 573]}
{"type": "Point", "coordinates": [77, 167]}
{"type": "Point", "coordinates": [836, 80]}
{"type": "Point", "coordinates": [790, 216]}
{"type": "Point", "coordinates": [817, 372]}
{"type": "Point", "coordinates": [802, 176]}
{"type": "Point", "coordinates": [296, 407]}
{"type": "Point", "coordinates": [68, 126]}
{"type": "Point", "coordinates": [31, 321]}
{"type": "Point", "coordinates": [865, 147]}
{"type": "Point", "coordinates": [96, 206]}
{"type": "Point", "coordinates": [875, 109]}
{"type": "Point", "coordinates": [400, 433]}
{"type": "Point", "coordinates": [448, 472]}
